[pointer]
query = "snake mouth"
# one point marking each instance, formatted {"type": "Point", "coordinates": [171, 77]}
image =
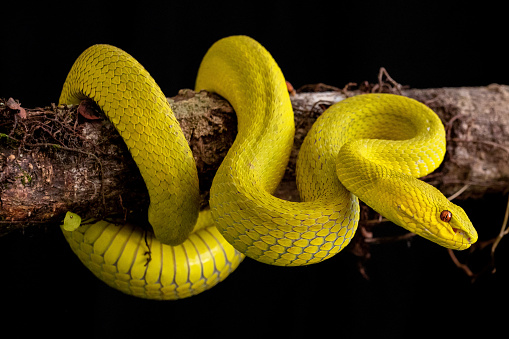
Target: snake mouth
{"type": "Point", "coordinates": [463, 234]}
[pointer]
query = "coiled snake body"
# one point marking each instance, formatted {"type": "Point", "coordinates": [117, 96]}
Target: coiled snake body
{"type": "Point", "coordinates": [369, 146]}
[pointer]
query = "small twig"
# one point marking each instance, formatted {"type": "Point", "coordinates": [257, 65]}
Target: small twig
{"type": "Point", "coordinates": [378, 88]}
{"type": "Point", "coordinates": [504, 230]}
{"type": "Point", "coordinates": [384, 240]}
{"type": "Point", "coordinates": [448, 125]}
{"type": "Point", "coordinates": [458, 264]}
{"type": "Point", "coordinates": [484, 142]}
{"type": "Point", "coordinates": [123, 208]}
{"type": "Point", "coordinates": [475, 183]}
{"type": "Point", "coordinates": [16, 117]}
{"type": "Point", "coordinates": [376, 221]}
{"type": "Point", "coordinates": [347, 87]}
{"type": "Point", "coordinates": [458, 192]}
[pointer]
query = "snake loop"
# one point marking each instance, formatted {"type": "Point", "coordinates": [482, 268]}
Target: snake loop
{"type": "Point", "coordinates": [370, 147]}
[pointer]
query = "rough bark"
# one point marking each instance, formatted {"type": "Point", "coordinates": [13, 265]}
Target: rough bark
{"type": "Point", "coordinates": [55, 160]}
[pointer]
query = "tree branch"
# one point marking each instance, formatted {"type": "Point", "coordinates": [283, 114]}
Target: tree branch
{"type": "Point", "coordinates": [53, 160]}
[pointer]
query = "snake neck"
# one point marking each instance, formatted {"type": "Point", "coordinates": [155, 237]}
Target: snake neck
{"type": "Point", "coordinates": [383, 187]}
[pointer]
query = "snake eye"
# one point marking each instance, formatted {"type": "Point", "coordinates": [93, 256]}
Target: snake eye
{"type": "Point", "coordinates": [445, 216]}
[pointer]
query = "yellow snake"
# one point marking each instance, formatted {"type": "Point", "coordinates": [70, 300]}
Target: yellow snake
{"type": "Point", "coordinates": [369, 146]}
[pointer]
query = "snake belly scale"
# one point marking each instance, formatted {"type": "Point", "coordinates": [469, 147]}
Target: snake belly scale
{"type": "Point", "coordinates": [370, 147]}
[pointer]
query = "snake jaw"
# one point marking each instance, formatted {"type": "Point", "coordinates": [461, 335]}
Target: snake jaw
{"type": "Point", "coordinates": [458, 233]}
{"type": "Point", "coordinates": [464, 234]}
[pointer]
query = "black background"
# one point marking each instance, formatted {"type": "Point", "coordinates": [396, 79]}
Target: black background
{"type": "Point", "coordinates": [413, 288]}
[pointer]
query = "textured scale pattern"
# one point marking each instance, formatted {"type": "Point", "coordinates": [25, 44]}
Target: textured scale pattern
{"type": "Point", "coordinates": [117, 254]}
{"type": "Point", "coordinates": [259, 225]}
{"type": "Point", "coordinates": [137, 107]}
{"type": "Point", "coordinates": [134, 103]}
{"type": "Point", "coordinates": [386, 141]}
{"type": "Point", "coordinates": [371, 147]}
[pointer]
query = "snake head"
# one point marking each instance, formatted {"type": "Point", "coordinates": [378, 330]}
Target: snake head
{"type": "Point", "coordinates": [425, 211]}
{"type": "Point", "coordinates": [453, 226]}
{"type": "Point", "coordinates": [435, 218]}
